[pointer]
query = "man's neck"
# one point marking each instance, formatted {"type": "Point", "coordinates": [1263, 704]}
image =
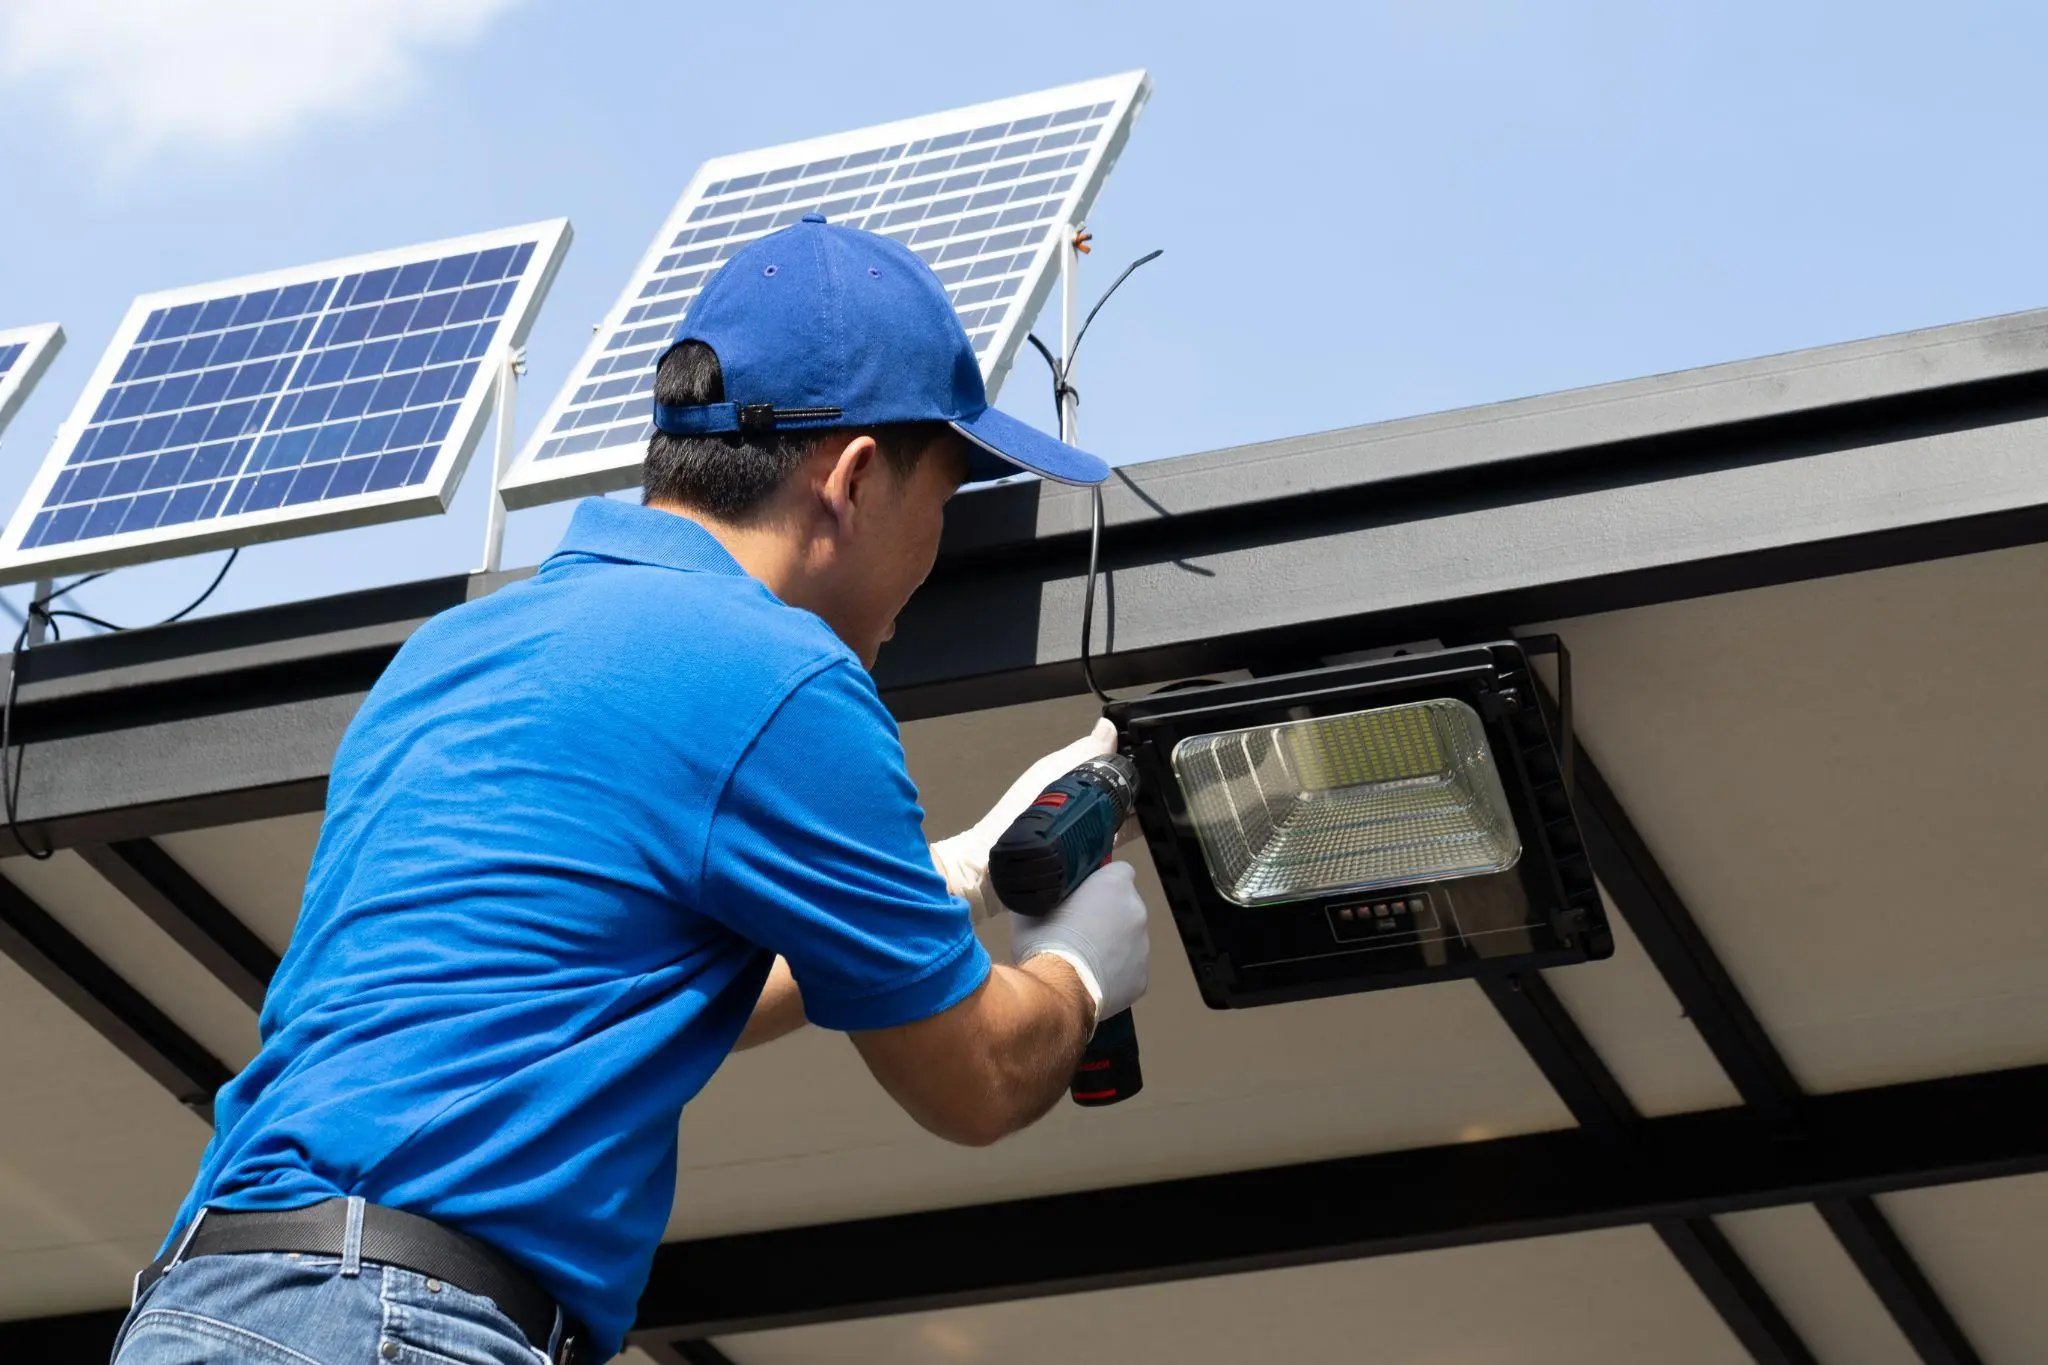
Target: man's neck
{"type": "Point", "coordinates": [766, 550]}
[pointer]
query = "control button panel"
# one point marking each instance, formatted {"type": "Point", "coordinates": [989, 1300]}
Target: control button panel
{"type": "Point", "coordinates": [1385, 918]}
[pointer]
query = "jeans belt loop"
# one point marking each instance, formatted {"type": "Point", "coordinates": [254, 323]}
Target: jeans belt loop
{"type": "Point", "coordinates": [352, 1238]}
{"type": "Point", "coordinates": [177, 1255]}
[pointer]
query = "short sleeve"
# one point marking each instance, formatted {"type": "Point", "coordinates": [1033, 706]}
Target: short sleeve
{"type": "Point", "coordinates": [816, 851]}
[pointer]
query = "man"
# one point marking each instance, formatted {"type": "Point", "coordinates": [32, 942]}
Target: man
{"type": "Point", "coordinates": [589, 833]}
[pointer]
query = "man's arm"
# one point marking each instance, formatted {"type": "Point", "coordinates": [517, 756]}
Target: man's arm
{"type": "Point", "coordinates": [993, 1063]}
{"type": "Point", "coordinates": [1001, 1056]}
{"type": "Point", "coordinates": [962, 860]}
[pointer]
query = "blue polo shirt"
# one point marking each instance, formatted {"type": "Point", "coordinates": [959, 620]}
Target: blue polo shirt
{"type": "Point", "coordinates": [565, 837]}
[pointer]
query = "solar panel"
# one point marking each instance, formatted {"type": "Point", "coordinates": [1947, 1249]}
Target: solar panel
{"type": "Point", "coordinates": [979, 193]}
{"type": "Point", "coordinates": [25, 352]}
{"type": "Point", "coordinates": [300, 400]}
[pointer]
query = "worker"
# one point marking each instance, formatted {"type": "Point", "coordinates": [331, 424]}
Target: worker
{"type": "Point", "coordinates": [591, 832]}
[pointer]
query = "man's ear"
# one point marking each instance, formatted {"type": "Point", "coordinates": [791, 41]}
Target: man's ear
{"type": "Point", "coordinates": [851, 479]}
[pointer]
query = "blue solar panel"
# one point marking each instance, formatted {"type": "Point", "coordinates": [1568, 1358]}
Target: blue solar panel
{"type": "Point", "coordinates": [287, 396]}
{"type": "Point", "coordinates": [321, 389]}
{"type": "Point", "coordinates": [978, 193]}
{"type": "Point", "coordinates": [11, 354]}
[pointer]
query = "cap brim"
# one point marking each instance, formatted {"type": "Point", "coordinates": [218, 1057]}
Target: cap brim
{"type": "Point", "coordinates": [1000, 446]}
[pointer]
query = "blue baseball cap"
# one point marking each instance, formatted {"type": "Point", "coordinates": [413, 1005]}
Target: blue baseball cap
{"type": "Point", "coordinates": [824, 326]}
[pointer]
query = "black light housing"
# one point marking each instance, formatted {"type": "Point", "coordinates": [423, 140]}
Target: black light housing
{"type": "Point", "coordinates": [1364, 826]}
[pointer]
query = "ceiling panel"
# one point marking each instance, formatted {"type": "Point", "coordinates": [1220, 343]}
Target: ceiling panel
{"type": "Point", "coordinates": [257, 870]}
{"type": "Point", "coordinates": [1818, 1288]}
{"type": "Point", "coordinates": [94, 1158]}
{"type": "Point", "coordinates": [1637, 1027]}
{"type": "Point", "coordinates": [1984, 1246]}
{"type": "Point", "coordinates": [1604, 1296]}
{"type": "Point", "coordinates": [1842, 780]}
{"type": "Point", "coordinates": [145, 956]}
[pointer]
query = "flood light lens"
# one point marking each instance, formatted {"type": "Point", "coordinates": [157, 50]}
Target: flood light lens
{"type": "Point", "coordinates": [1387, 797]}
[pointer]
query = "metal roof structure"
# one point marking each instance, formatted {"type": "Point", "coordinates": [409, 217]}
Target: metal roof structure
{"type": "Point", "coordinates": [1795, 1118]}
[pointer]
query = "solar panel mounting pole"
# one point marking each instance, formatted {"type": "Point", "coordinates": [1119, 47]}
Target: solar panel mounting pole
{"type": "Point", "coordinates": [509, 366]}
{"type": "Point", "coordinates": [1070, 321]}
{"type": "Point", "coordinates": [36, 625]}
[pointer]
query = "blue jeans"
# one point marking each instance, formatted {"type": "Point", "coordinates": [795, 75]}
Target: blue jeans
{"type": "Point", "coordinates": [283, 1308]}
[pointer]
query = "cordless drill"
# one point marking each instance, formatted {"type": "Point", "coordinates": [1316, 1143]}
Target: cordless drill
{"type": "Point", "coordinates": [1054, 846]}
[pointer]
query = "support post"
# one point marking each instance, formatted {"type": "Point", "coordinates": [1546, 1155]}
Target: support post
{"type": "Point", "coordinates": [509, 366]}
{"type": "Point", "coordinates": [44, 587]}
{"type": "Point", "coordinates": [1070, 323]}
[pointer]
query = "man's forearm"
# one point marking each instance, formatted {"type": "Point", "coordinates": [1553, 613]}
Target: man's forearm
{"type": "Point", "coordinates": [1038, 1066]}
{"type": "Point", "coordinates": [993, 1062]}
{"type": "Point", "coordinates": [780, 1009]}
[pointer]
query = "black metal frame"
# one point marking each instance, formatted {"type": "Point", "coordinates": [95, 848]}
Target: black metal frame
{"type": "Point", "coordinates": [1682, 1166]}
{"type": "Point", "coordinates": [1733, 1033]}
{"type": "Point", "coordinates": [96, 993]}
{"type": "Point", "coordinates": [1547, 1032]}
{"type": "Point", "coordinates": [1853, 1143]}
{"type": "Point", "coordinates": [175, 902]}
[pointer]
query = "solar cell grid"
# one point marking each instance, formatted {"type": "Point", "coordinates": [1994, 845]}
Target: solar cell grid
{"type": "Point", "coordinates": [287, 396]}
{"type": "Point", "coordinates": [978, 194]}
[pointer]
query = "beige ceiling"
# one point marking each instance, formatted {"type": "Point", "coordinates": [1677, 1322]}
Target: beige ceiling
{"type": "Point", "coordinates": [1844, 779]}
{"type": "Point", "coordinates": [145, 956]}
{"type": "Point", "coordinates": [1602, 1296]}
{"type": "Point", "coordinates": [1984, 1246]}
{"type": "Point", "coordinates": [94, 1157]}
{"type": "Point", "coordinates": [1817, 1287]}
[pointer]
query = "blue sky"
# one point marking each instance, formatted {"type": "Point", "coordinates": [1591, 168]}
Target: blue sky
{"type": "Point", "coordinates": [1369, 210]}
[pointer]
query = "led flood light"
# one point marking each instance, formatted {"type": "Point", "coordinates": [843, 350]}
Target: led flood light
{"type": "Point", "coordinates": [1364, 826]}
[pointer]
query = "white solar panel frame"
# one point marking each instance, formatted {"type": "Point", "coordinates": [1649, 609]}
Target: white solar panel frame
{"type": "Point", "coordinates": [43, 341]}
{"type": "Point", "coordinates": [551, 242]}
{"type": "Point", "coordinates": [532, 481]}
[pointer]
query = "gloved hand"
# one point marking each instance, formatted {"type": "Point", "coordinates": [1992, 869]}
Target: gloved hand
{"type": "Point", "coordinates": [963, 859]}
{"type": "Point", "coordinates": [1099, 931]}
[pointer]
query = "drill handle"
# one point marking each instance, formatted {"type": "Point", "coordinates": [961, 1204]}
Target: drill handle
{"type": "Point", "coordinates": [1109, 1069]}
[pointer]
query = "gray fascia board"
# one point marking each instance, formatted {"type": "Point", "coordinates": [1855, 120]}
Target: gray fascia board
{"type": "Point", "coordinates": [1619, 416]}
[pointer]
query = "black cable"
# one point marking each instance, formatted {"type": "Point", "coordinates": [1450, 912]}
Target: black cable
{"type": "Point", "coordinates": [1062, 388]}
{"type": "Point", "coordinates": [1129, 270]}
{"type": "Point", "coordinates": [1088, 600]}
{"type": "Point", "coordinates": [12, 757]}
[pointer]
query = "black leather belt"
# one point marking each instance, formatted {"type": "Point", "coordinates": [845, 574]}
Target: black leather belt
{"type": "Point", "coordinates": [390, 1237]}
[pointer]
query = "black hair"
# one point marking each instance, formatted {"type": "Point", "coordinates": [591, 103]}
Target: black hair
{"type": "Point", "coordinates": [731, 477]}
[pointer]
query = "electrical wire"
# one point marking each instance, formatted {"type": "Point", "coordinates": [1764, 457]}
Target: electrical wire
{"type": "Point", "coordinates": [1088, 600]}
{"type": "Point", "coordinates": [12, 757]}
{"type": "Point", "coordinates": [1062, 389]}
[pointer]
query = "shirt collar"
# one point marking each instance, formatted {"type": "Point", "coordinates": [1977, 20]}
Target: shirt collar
{"type": "Point", "coordinates": [609, 529]}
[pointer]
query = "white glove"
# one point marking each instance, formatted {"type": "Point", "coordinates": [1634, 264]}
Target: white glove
{"type": "Point", "coordinates": [963, 859]}
{"type": "Point", "coordinates": [1099, 931]}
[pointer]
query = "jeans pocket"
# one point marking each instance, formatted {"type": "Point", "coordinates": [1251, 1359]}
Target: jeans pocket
{"type": "Point", "coordinates": [169, 1336]}
{"type": "Point", "coordinates": [444, 1325]}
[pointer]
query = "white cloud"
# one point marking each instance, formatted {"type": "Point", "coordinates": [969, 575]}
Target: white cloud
{"type": "Point", "coordinates": [140, 77]}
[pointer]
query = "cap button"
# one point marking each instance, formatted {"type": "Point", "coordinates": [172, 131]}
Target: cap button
{"type": "Point", "coordinates": [814, 218]}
